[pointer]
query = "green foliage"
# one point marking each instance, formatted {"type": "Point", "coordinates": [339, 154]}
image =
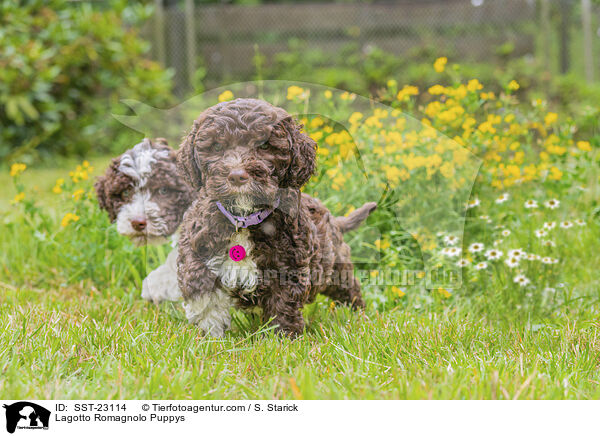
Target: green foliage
{"type": "Point", "coordinates": [350, 69]}
{"type": "Point", "coordinates": [63, 69]}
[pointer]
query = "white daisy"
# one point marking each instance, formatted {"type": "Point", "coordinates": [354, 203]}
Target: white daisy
{"type": "Point", "coordinates": [580, 222]}
{"type": "Point", "coordinates": [549, 243]}
{"type": "Point", "coordinates": [498, 242]}
{"type": "Point", "coordinates": [493, 254]}
{"type": "Point", "coordinates": [521, 280]}
{"type": "Point", "coordinates": [549, 290]}
{"type": "Point", "coordinates": [552, 204]}
{"type": "Point", "coordinates": [476, 247]}
{"type": "Point", "coordinates": [531, 204]}
{"type": "Point", "coordinates": [505, 233]}
{"type": "Point", "coordinates": [540, 233]}
{"type": "Point", "coordinates": [481, 265]}
{"type": "Point", "coordinates": [549, 225]}
{"type": "Point", "coordinates": [549, 261]}
{"type": "Point", "coordinates": [502, 198]}
{"type": "Point", "coordinates": [566, 224]}
{"type": "Point", "coordinates": [512, 262]}
{"type": "Point", "coordinates": [450, 240]}
{"type": "Point", "coordinates": [484, 217]}
{"type": "Point", "coordinates": [463, 262]}
{"type": "Point", "coordinates": [473, 203]}
{"type": "Point", "coordinates": [451, 251]}
{"type": "Point", "coordinates": [532, 256]}
{"type": "Point", "coordinates": [517, 253]}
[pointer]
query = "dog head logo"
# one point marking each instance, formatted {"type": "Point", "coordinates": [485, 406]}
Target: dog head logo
{"type": "Point", "coordinates": [26, 415]}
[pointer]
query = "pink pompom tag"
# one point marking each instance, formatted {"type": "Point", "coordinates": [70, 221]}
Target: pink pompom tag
{"type": "Point", "coordinates": [237, 253]}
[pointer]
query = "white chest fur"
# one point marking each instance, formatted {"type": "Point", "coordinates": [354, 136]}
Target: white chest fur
{"type": "Point", "coordinates": [236, 275]}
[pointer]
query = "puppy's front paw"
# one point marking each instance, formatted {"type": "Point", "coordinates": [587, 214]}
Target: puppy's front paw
{"type": "Point", "coordinates": [161, 285]}
{"type": "Point", "coordinates": [210, 312]}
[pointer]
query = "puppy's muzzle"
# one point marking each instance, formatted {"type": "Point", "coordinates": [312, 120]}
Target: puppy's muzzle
{"type": "Point", "coordinates": [238, 177]}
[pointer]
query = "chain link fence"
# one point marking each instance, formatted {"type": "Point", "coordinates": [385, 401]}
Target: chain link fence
{"type": "Point", "coordinates": [221, 42]}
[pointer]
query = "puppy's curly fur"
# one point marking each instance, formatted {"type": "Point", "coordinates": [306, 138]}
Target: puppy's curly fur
{"type": "Point", "coordinates": [297, 252]}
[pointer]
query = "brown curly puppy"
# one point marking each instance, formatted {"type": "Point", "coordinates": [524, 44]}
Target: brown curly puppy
{"type": "Point", "coordinates": [143, 192]}
{"type": "Point", "coordinates": [145, 195]}
{"type": "Point", "coordinates": [248, 160]}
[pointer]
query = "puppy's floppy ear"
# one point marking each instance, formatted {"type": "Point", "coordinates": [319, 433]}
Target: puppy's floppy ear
{"type": "Point", "coordinates": [303, 154]}
{"type": "Point", "coordinates": [162, 141]}
{"type": "Point", "coordinates": [102, 189]}
{"type": "Point", "coordinates": [186, 164]}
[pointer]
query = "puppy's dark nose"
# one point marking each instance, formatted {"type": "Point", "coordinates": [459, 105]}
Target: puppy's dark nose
{"type": "Point", "coordinates": [238, 176]}
{"type": "Point", "coordinates": [138, 224]}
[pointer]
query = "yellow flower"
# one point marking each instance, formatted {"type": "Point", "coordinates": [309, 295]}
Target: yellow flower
{"type": "Point", "coordinates": [392, 83]}
{"type": "Point", "coordinates": [18, 198]}
{"type": "Point", "coordinates": [584, 146]}
{"type": "Point", "coordinates": [437, 90]}
{"type": "Point", "coordinates": [17, 168]}
{"type": "Point", "coordinates": [550, 118]}
{"type": "Point", "coordinates": [69, 217]}
{"type": "Point", "coordinates": [382, 245]}
{"type": "Point", "coordinates": [317, 136]}
{"type": "Point", "coordinates": [399, 292]}
{"type": "Point", "coordinates": [316, 122]}
{"type": "Point", "coordinates": [58, 186]}
{"type": "Point", "coordinates": [322, 151]}
{"type": "Point", "coordinates": [513, 85]}
{"type": "Point", "coordinates": [328, 94]}
{"type": "Point", "coordinates": [347, 96]}
{"type": "Point", "coordinates": [85, 164]}
{"type": "Point", "coordinates": [78, 194]}
{"type": "Point", "coordinates": [474, 85]}
{"type": "Point", "coordinates": [225, 96]}
{"type": "Point", "coordinates": [294, 91]}
{"type": "Point", "coordinates": [440, 64]}
{"type": "Point", "coordinates": [406, 92]}
{"type": "Point", "coordinates": [444, 293]}
{"type": "Point", "coordinates": [355, 117]}
{"type": "Point", "coordinates": [555, 174]}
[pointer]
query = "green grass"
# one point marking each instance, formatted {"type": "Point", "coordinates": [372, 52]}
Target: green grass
{"type": "Point", "coordinates": [77, 343]}
{"type": "Point", "coordinates": [75, 327]}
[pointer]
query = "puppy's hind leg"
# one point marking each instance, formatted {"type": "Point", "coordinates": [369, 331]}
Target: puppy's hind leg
{"type": "Point", "coordinates": [345, 288]}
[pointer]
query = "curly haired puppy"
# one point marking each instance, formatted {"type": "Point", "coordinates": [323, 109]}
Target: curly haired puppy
{"type": "Point", "coordinates": [248, 160]}
{"type": "Point", "coordinates": [143, 192]}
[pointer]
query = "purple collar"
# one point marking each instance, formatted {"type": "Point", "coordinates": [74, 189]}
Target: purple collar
{"type": "Point", "coordinates": [248, 220]}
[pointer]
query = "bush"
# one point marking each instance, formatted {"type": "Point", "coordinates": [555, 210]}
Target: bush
{"type": "Point", "coordinates": [63, 68]}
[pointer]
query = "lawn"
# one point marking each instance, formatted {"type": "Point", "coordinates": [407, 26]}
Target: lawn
{"type": "Point", "coordinates": [523, 324]}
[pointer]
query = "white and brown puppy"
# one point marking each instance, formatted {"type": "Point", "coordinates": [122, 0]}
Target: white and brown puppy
{"type": "Point", "coordinates": [146, 197]}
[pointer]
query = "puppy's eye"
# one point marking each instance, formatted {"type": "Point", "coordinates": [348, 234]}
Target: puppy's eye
{"type": "Point", "coordinates": [216, 146]}
{"type": "Point", "coordinates": [126, 194]}
{"type": "Point", "coordinates": [163, 191]}
{"type": "Point", "coordinates": [264, 146]}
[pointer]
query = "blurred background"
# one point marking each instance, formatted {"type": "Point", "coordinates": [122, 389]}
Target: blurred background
{"type": "Point", "coordinates": [65, 65]}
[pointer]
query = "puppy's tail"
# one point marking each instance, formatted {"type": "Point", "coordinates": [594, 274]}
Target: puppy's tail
{"type": "Point", "coordinates": [355, 218]}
